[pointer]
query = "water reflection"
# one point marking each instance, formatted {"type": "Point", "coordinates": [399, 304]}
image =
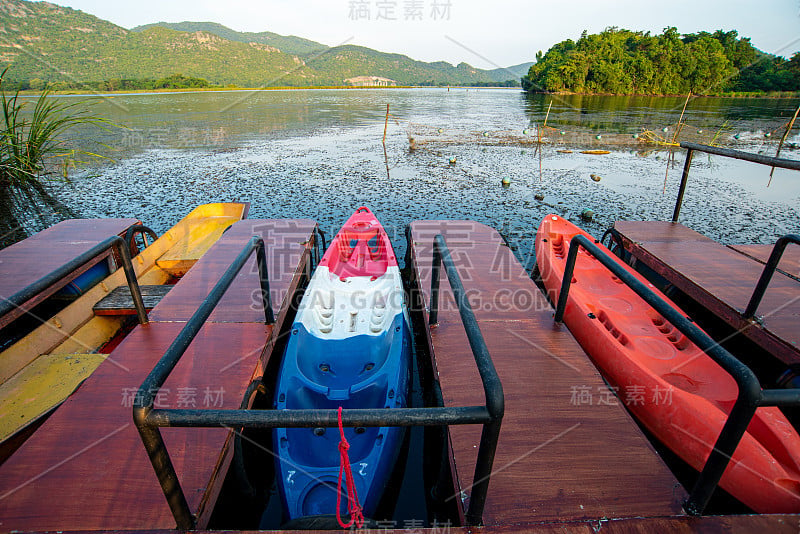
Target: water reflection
{"type": "Point", "coordinates": [632, 114]}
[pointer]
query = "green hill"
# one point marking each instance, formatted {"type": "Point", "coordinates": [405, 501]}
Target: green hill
{"type": "Point", "coordinates": [340, 63]}
{"type": "Point", "coordinates": [515, 72]}
{"type": "Point", "coordinates": [289, 44]}
{"type": "Point", "coordinates": [348, 61]}
{"type": "Point", "coordinates": [49, 44]}
{"type": "Point", "coordinates": [60, 44]}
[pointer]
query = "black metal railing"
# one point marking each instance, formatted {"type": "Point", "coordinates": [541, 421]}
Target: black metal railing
{"type": "Point", "coordinates": [135, 230]}
{"type": "Point", "coordinates": [492, 387]}
{"type": "Point", "coordinates": [148, 419]}
{"type": "Point", "coordinates": [769, 270]}
{"type": "Point", "coordinates": [18, 299]}
{"type": "Point", "coordinates": [727, 152]}
{"type": "Point", "coordinates": [750, 397]}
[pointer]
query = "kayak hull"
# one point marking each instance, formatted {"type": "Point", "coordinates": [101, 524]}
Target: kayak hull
{"type": "Point", "coordinates": [674, 389]}
{"type": "Point", "coordinates": [349, 347]}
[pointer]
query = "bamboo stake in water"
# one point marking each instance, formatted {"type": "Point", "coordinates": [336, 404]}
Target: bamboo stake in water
{"type": "Point", "coordinates": [783, 140]}
{"type": "Point", "coordinates": [539, 132]}
{"type": "Point", "coordinates": [386, 124]}
{"type": "Point", "coordinates": [671, 156]}
{"type": "Point", "coordinates": [680, 120]}
{"type": "Point", "coordinates": [547, 114]}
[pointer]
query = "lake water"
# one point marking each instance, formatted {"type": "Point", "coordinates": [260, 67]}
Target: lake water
{"type": "Point", "coordinates": [318, 154]}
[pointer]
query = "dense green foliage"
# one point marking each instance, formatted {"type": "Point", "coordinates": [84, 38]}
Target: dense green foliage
{"type": "Point", "coordinates": [176, 81]}
{"type": "Point", "coordinates": [50, 44]}
{"type": "Point", "coordinates": [627, 62]}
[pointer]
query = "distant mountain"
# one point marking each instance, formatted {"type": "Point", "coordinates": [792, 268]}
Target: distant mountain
{"type": "Point", "coordinates": [288, 44]}
{"type": "Point", "coordinates": [47, 43]}
{"type": "Point", "coordinates": [511, 73]}
{"type": "Point", "coordinates": [341, 63]}
{"type": "Point", "coordinates": [348, 61]}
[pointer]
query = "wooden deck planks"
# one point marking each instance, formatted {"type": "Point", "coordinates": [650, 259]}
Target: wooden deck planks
{"type": "Point", "coordinates": [24, 263]}
{"type": "Point", "coordinates": [556, 460]}
{"type": "Point", "coordinates": [120, 302]}
{"type": "Point", "coordinates": [88, 460]}
{"type": "Point", "coordinates": [790, 261]}
{"type": "Point", "coordinates": [745, 524]}
{"type": "Point", "coordinates": [287, 242]}
{"type": "Point", "coordinates": [720, 279]}
{"type": "Point", "coordinates": [734, 524]}
{"type": "Point", "coordinates": [86, 467]}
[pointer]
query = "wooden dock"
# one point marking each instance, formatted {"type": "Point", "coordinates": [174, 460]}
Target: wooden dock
{"type": "Point", "coordinates": [570, 458]}
{"type": "Point", "coordinates": [722, 279]}
{"type": "Point", "coordinates": [568, 450]}
{"type": "Point", "coordinates": [86, 468]}
{"type": "Point", "coordinates": [49, 250]}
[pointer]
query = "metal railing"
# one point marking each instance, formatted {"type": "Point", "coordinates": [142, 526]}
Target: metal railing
{"type": "Point", "coordinates": [492, 387]}
{"type": "Point", "coordinates": [148, 419]}
{"type": "Point", "coordinates": [18, 299]}
{"type": "Point", "coordinates": [769, 270]}
{"type": "Point", "coordinates": [750, 396]}
{"type": "Point", "coordinates": [142, 230]}
{"type": "Point", "coordinates": [727, 152]}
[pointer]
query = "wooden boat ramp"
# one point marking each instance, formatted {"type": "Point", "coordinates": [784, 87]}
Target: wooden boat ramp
{"type": "Point", "coordinates": [521, 432]}
{"type": "Point", "coordinates": [89, 451]}
{"type": "Point", "coordinates": [64, 307]}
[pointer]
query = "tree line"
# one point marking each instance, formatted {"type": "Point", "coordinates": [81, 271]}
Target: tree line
{"type": "Point", "coordinates": [176, 81]}
{"type": "Point", "coordinates": [620, 61]}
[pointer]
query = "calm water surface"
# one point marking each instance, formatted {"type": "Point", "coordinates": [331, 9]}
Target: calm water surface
{"type": "Point", "coordinates": [318, 154]}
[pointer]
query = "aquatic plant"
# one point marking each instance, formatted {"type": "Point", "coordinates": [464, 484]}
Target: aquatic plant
{"type": "Point", "coordinates": [33, 150]}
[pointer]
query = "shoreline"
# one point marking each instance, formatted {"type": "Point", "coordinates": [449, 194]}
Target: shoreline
{"type": "Point", "coordinates": [743, 94]}
{"type": "Point", "coordinates": [89, 92]}
{"type": "Point", "coordinates": [84, 92]}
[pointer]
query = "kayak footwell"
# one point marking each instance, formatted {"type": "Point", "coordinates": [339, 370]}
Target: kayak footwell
{"type": "Point", "coordinates": [722, 279]}
{"type": "Point", "coordinates": [567, 449]}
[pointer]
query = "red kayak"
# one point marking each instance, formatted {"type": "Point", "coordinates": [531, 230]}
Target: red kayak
{"type": "Point", "coordinates": [672, 387]}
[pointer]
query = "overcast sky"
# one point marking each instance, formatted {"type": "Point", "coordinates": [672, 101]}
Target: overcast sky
{"type": "Point", "coordinates": [482, 33]}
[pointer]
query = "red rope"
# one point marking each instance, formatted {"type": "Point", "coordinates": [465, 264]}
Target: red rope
{"type": "Point", "coordinates": [353, 506]}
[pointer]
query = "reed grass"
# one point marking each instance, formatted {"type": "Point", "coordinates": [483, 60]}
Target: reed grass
{"type": "Point", "coordinates": [32, 151]}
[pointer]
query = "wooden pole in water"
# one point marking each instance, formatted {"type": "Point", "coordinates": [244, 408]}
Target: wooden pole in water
{"type": "Point", "coordinates": [783, 140]}
{"type": "Point", "coordinates": [386, 124]}
{"type": "Point", "coordinates": [678, 128]}
{"type": "Point", "coordinates": [539, 132]}
{"type": "Point", "coordinates": [547, 114]}
{"type": "Point", "coordinates": [680, 120]}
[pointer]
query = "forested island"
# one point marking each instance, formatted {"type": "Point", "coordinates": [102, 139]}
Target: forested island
{"type": "Point", "coordinates": [619, 61]}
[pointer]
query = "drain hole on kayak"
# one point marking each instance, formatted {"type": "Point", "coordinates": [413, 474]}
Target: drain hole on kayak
{"type": "Point", "coordinates": [683, 343]}
{"type": "Point", "coordinates": [558, 246]}
{"type": "Point", "coordinates": [606, 321]}
{"type": "Point", "coordinates": [673, 335]}
{"type": "Point", "coordinates": [656, 319]}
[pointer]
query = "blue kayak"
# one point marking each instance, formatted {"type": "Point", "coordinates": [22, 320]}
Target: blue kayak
{"type": "Point", "coordinates": [350, 347]}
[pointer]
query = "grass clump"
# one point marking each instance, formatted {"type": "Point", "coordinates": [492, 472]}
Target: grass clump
{"type": "Point", "coordinates": [32, 151]}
